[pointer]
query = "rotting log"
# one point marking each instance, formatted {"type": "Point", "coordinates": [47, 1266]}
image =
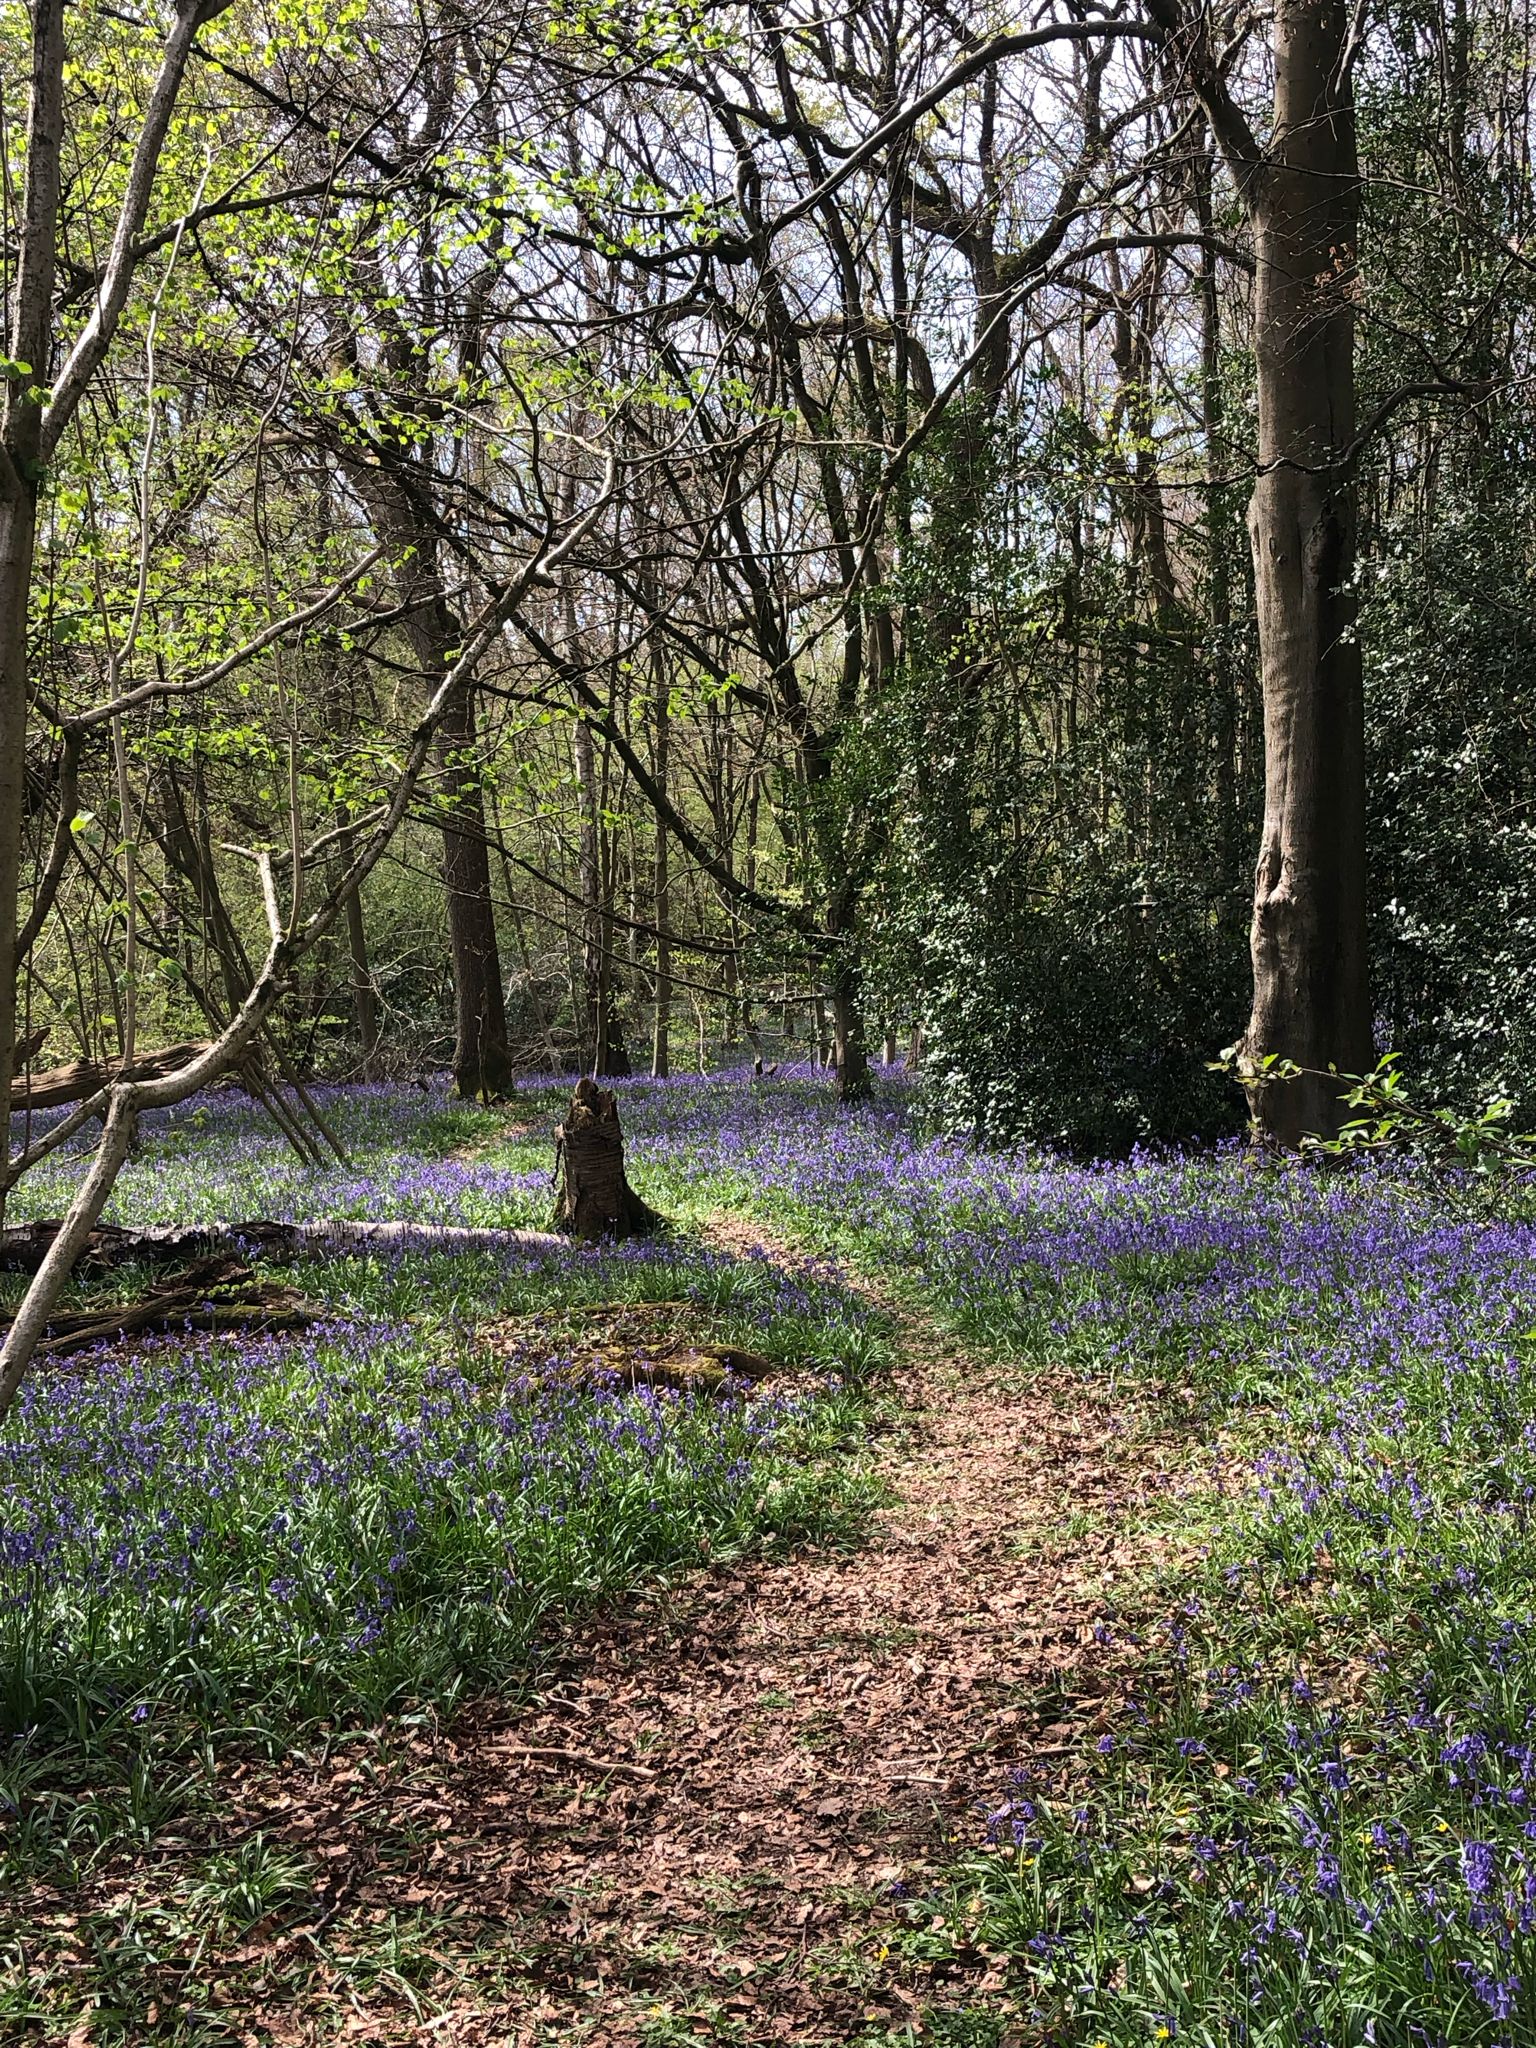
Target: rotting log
{"type": "Point", "coordinates": [623, 1356]}
{"type": "Point", "coordinates": [55, 1086]}
{"type": "Point", "coordinates": [595, 1198]}
{"type": "Point", "coordinates": [219, 1294]}
{"type": "Point", "coordinates": [681, 1368]}
{"type": "Point", "coordinates": [24, 1246]}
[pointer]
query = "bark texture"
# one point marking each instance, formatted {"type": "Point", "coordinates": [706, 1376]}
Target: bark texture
{"type": "Point", "coordinates": [596, 1199]}
{"type": "Point", "coordinates": [55, 1086]}
{"type": "Point", "coordinates": [1311, 1003]}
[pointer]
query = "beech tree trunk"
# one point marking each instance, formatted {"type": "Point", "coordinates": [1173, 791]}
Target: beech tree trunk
{"type": "Point", "coordinates": [1310, 997]}
{"type": "Point", "coordinates": [596, 1199]}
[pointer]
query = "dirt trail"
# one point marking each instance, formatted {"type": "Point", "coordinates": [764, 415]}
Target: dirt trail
{"type": "Point", "coordinates": [794, 1739]}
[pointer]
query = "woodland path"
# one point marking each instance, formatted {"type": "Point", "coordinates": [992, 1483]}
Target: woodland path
{"type": "Point", "coordinates": [794, 1743]}
{"type": "Point", "coordinates": [700, 1825]}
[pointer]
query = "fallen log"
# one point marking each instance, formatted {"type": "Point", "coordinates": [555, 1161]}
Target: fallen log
{"type": "Point", "coordinates": [24, 1246]}
{"type": "Point", "coordinates": [55, 1086]}
{"type": "Point", "coordinates": [216, 1294]}
{"type": "Point", "coordinates": [621, 1357]}
{"type": "Point", "coordinates": [681, 1368]}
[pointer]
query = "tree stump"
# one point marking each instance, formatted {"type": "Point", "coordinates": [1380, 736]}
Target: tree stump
{"type": "Point", "coordinates": [596, 1200]}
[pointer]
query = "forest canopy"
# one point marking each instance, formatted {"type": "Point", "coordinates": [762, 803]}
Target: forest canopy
{"type": "Point", "coordinates": [524, 532]}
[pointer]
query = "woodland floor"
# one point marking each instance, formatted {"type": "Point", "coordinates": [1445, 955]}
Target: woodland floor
{"type": "Point", "coordinates": [1196, 1573]}
{"type": "Point", "coordinates": [698, 1827]}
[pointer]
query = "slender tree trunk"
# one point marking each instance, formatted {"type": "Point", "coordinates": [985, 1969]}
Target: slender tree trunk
{"type": "Point", "coordinates": [602, 1048]}
{"type": "Point", "coordinates": [29, 332]}
{"type": "Point", "coordinates": [365, 1004]}
{"type": "Point", "coordinates": [1310, 1001]}
{"type": "Point", "coordinates": [18, 527]}
{"type": "Point", "coordinates": [661, 1063]}
{"type": "Point", "coordinates": [482, 1062]}
{"type": "Point", "coordinates": [1218, 591]}
{"type": "Point", "coordinates": [615, 1052]}
{"type": "Point", "coordinates": [849, 1051]}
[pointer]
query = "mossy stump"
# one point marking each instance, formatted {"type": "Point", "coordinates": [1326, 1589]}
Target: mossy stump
{"type": "Point", "coordinates": [595, 1198]}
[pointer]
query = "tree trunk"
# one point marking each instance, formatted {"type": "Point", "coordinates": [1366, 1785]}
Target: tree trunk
{"type": "Point", "coordinates": [24, 1246]}
{"type": "Point", "coordinates": [1218, 590]}
{"type": "Point", "coordinates": [661, 1061]}
{"type": "Point", "coordinates": [482, 1062]}
{"type": "Point", "coordinates": [1310, 1001]}
{"type": "Point", "coordinates": [18, 528]}
{"type": "Point", "coordinates": [823, 1038]}
{"type": "Point", "coordinates": [603, 1050]}
{"type": "Point", "coordinates": [54, 1086]}
{"type": "Point", "coordinates": [849, 1052]}
{"type": "Point", "coordinates": [365, 1002]}
{"type": "Point", "coordinates": [28, 330]}
{"type": "Point", "coordinates": [596, 1199]}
